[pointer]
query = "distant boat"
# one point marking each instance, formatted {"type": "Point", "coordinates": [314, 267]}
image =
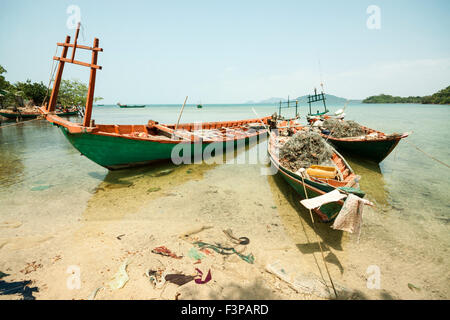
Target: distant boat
{"type": "Point", "coordinates": [199, 106]}
{"type": "Point", "coordinates": [131, 105]}
{"type": "Point", "coordinates": [31, 115]}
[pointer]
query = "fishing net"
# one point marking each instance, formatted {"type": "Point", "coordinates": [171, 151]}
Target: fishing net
{"type": "Point", "coordinates": [342, 128]}
{"type": "Point", "coordinates": [304, 149]}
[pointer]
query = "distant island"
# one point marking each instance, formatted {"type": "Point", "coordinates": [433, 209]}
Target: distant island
{"type": "Point", "coordinates": [440, 97]}
{"type": "Point", "coordinates": [329, 99]}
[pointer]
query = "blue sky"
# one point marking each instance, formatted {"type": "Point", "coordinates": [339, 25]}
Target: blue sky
{"type": "Point", "coordinates": [235, 51]}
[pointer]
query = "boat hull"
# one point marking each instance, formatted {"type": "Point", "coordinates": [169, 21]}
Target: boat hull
{"type": "Point", "coordinates": [326, 212]}
{"type": "Point", "coordinates": [115, 152]}
{"type": "Point", "coordinates": [374, 150]}
{"type": "Point", "coordinates": [16, 115]}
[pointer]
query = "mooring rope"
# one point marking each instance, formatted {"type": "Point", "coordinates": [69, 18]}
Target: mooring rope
{"type": "Point", "coordinates": [428, 155]}
{"type": "Point", "coordinates": [318, 240]}
{"type": "Point", "coordinates": [52, 73]}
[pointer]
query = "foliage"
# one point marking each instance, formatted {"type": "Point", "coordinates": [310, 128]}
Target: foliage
{"type": "Point", "coordinates": [6, 95]}
{"type": "Point", "coordinates": [73, 93]}
{"type": "Point", "coordinates": [4, 85]}
{"type": "Point", "coordinates": [32, 91]}
{"type": "Point", "coordinates": [385, 98]}
{"type": "Point", "coordinates": [441, 97]}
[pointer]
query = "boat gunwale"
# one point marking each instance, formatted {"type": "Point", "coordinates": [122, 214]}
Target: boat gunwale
{"type": "Point", "coordinates": [77, 128]}
{"type": "Point", "coordinates": [384, 136]}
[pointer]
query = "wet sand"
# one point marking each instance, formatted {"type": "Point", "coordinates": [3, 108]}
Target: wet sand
{"type": "Point", "coordinates": [60, 212]}
{"type": "Point", "coordinates": [147, 211]}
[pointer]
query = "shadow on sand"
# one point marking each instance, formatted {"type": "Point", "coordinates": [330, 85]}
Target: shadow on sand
{"type": "Point", "coordinates": [20, 287]}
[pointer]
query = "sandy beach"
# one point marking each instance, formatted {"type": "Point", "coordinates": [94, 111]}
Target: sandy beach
{"type": "Point", "coordinates": [130, 213]}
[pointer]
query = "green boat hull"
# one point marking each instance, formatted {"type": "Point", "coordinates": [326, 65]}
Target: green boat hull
{"type": "Point", "coordinates": [326, 212]}
{"type": "Point", "coordinates": [70, 113]}
{"type": "Point", "coordinates": [16, 115]}
{"type": "Point", "coordinates": [32, 116]}
{"type": "Point", "coordinates": [375, 151]}
{"type": "Point", "coordinates": [118, 152]}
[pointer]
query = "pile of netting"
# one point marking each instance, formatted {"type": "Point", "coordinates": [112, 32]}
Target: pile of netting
{"type": "Point", "coordinates": [342, 128]}
{"type": "Point", "coordinates": [304, 149]}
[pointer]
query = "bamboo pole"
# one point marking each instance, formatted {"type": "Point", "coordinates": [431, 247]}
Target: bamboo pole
{"type": "Point", "coordinates": [317, 237]}
{"type": "Point", "coordinates": [181, 112]}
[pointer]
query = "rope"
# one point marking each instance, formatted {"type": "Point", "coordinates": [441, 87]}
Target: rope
{"type": "Point", "coordinates": [52, 73]}
{"type": "Point", "coordinates": [318, 240]}
{"type": "Point", "coordinates": [428, 155]}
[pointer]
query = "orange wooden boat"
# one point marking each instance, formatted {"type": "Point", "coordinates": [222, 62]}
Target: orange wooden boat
{"type": "Point", "coordinates": [117, 146]}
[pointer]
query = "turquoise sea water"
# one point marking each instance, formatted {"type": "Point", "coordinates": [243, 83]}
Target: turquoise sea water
{"type": "Point", "coordinates": [41, 173]}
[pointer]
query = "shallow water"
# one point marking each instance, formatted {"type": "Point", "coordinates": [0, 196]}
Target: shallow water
{"type": "Point", "coordinates": [45, 181]}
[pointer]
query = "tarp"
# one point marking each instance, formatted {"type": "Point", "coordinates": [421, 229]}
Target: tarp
{"type": "Point", "coordinates": [316, 202]}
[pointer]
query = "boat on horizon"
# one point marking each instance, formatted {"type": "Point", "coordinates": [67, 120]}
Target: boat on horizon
{"type": "Point", "coordinates": [131, 105]}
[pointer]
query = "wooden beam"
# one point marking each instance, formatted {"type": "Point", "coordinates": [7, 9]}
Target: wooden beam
{"type": "Point", "coordinates": [79, 46]}
{"type": "Point", "coordinates": [90, 95]}
{"type": "Point", "coordinates": [78, 62]}
{"type": "Point", "coordinates": [75, 42]}
{"type": "Point", "coordinates": [52, 103]}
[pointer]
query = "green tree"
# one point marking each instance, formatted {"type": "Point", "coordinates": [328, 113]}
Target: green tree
{"type": "Point", "coordinates": [32, 91]}
{"type": "Point", "coordinates": [6, 90]}
{"type": "Point", "coordinates": [73, 93]}
{"type": "Point", "coordinates": [4, 85]}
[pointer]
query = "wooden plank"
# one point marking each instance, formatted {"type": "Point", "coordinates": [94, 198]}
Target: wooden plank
{"type": "Point", "coordinates": [79, 46]}
{"type": "Point", "coordinates": [78, 62]}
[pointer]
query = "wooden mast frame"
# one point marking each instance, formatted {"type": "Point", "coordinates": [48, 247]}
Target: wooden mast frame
{"type": "Point", "coordinates": [50, 108]}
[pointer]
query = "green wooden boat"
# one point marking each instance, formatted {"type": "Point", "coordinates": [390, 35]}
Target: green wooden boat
{"type": "Point", "coordinates": [17, 115]}
{"type": "Point", "coordinates": [117, 146]}
{"type": "Point", "coordinates": [317, 186]}
{"type": "Point", "coordinates": [131, 105]}
{"type": "Point", "coordinates": [374, 145]}
{"type": "Point", "coordinates": [31, 115]}
{"type": "Point", "coordinates": [122, 146]}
